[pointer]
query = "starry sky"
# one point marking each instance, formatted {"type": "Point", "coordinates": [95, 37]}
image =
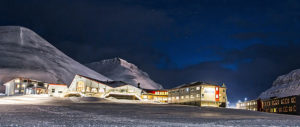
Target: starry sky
{"type": "Point", "coordinates": [244, 44]}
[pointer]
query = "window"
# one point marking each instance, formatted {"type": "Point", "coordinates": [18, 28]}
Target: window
{"type": "Point", "coordinates": [187, 89]}
{"type": "Point", "coordinates": [88, 89]}
{"type": "Point", "coordinates": [198, 88]}
{"type": "Point", "coordinates": [177, 98]}
{"type": "Point", "coordinates": [217, 96]}
{"type": "Point", "coordinates": [101, 90]}
{"type": "Point", "coordinates": [217, 88]}
{"type": "Point", "coordinates": [202, 95]}
{"type": "Point", "coordinates": [182, 97]}
{"type": "Point", "coordinates": [94, 90]}
{"type": "Point", "coordinates": [80, 86]}
{"type": "Point", "coordinates": [59, 91]}
{"type": "Point", "coordinates": [18, 86]}
{"type": "Point", "coordinates": [17, 81]}
{"type": "Point", "coordinates": [198, 95]}
{"type": "Point", "coordinates": [187, 96]}
{"type": "Point", "coordinates": [53, 90]}
{"type": "Point", "coordinates": [293, 100]}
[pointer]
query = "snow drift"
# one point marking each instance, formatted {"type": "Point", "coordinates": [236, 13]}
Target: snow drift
{"type": "Point", "coordinates": [23, 53]}
{"type": "Point", "coordinates": [283, 86]}
{"type": "Point", "coordinates": [120, 70]}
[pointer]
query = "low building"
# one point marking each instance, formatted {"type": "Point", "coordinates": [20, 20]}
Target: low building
{"type": "Point", "coordinates": [21, 86]}
{"type": "Point", "coordinates": [57, 90]}
{"type": "Point", "coordinates": [95, 88]}
{"type": "Point", "coordinates": [200, 94]}
{"type": "Point", "coordinates": [122, 90]}
{"type": "Point", "coordinates": [285, 105]}
{"type": "Point", "coordinates": [253, 105]}
{"type": "Point", "coordinates": [88, 86]}
{"type": "Point", "coordinates": [155, 95]}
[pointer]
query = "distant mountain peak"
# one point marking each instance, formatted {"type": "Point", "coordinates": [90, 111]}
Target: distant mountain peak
{"type": "Point", "coordinates": [284, 85]}
{"type": "Point", "coordinates": [23, 53]}
{"type": "Point", "coordinates": [120, 70]}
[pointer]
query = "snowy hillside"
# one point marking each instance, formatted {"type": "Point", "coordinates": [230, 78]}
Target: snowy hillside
{"type": "Point", "coordinates": [120, 70]}
{"type": "Point", "coordinates": [23, 53]}
{"type": "Point", "coordinates": [285, 85]}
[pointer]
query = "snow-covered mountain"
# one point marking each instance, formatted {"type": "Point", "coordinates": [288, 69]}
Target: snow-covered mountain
{"type": "Point", "coordinates": [285, 85]}
{"type": "Point", "coordinates": [23, 53]}
{"type": "Point", "coordinates": [121, 70]}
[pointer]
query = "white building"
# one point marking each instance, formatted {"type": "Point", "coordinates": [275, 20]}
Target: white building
{"type": "Point", "coordinates": [57, 90]}
{"type": "Point", "coordinates": [88, 86]}
{"type": "Point", "coordinates": [21, 86]}
{"type": "Point", "coordinates": [94, 88]}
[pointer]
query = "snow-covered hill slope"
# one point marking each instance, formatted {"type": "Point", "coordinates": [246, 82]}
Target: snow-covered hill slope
{"type": "Point", "coordinates": [120, 70]}
{"type": "Point", "coordinates": [23, 53]}
{"type": "Point", "coordinates": [285, 85]}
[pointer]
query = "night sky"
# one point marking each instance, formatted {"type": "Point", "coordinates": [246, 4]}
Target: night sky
{"type": "Point", "coordinates": [244, 44]}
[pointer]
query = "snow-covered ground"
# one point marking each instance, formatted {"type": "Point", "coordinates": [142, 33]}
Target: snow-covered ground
{"type": "Point", "coordinates": [46, 111]}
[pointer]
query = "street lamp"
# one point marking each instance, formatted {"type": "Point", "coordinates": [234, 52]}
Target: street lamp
{"type": "Point", "coordinates": [35, 85]}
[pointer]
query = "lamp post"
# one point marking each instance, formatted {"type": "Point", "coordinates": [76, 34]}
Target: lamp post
{"type": "Point", "coordinates": [35, 85]}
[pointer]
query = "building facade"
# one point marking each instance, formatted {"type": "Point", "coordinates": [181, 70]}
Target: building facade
{"type": "Point", "coordinates": [200, 94]}
{"type": "Point", "coordinates": [94, 88]}
{"type": "Point", "coordinates": [22, 86]}
{"type": "Point", "coordinates": [125, 92]}
{"type": "Point", "coordinates": [88, 87]}
{"type": "Point", "coordinates": [285, 105]}
{"type": "Point", "coordinates": [57, 90]}
{"type": "Point", "coordinates": [155, 95]}
{"type": "Point", "coordinates": [253, 105]}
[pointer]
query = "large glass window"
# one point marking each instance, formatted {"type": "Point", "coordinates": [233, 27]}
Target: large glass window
{"type": "Point", "coordinates": [80, 86]}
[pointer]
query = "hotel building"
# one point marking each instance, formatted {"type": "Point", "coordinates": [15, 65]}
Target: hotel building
{"type": "Point", "coordinates": [200, 94]}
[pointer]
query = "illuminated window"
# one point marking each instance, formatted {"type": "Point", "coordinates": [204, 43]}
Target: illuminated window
{"type": "Point", "coordinates": [177, 98]}
{"type": "Point", "coordinates": [293, 100]}
{"type": "Point", "coordinates": [101, 90]}
{"type": "Point", "coordinates": [94, 90]}
{"type": "Point", "coordinates": [187, 89]}
{"type": "Point", "coordinates": [182, 97]}
{"type": "Point", "coordinates": [217, 88]}
{"type": "Point", "coordinates": [198, 88]}
{"type": "Point", "coordinates": [88, 89]}
{"type": "Point", "coordinates": [290, 108]}
{"type": "Point", "coordinates": [198, 95]}
{"type": "Point", "coordinates": [17, 81]}
{"type": "Point", "coordinates": [18, 86]}
{"type": "Point", "coordinates": [217, 96]}
{"type": "Point", "coordinates": [80, 86]}
{"type": "Point", "coordinates": [187, 96]}
{"type": "Point", "coordinates": [192, 96]}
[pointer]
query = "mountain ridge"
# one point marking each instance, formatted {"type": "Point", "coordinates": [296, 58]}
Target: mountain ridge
{"type": "Point", "coordinates": [120, 70]}
{"type": "Point", "coordinates": [23, 53]}
{"type": "Point", "coordinates": [284, 85]}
